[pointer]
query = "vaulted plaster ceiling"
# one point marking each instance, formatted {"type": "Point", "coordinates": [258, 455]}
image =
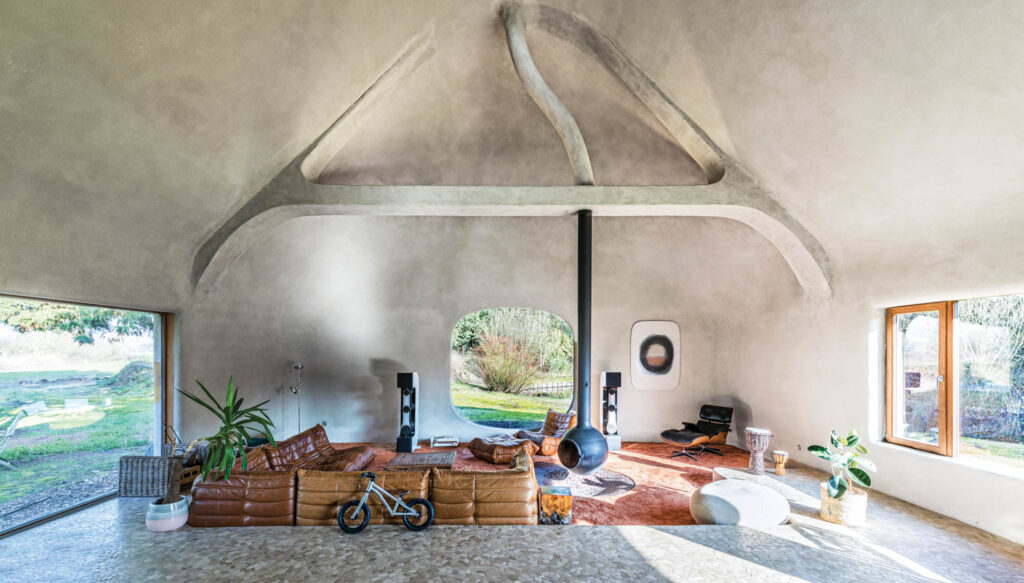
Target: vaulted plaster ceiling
{"type": "Point", "coordinates": [892, 131]}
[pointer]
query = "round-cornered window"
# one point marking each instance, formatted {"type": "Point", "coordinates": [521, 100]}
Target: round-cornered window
{"type": "Point", "coordinates": [510, 365]}
{"type": "Point", "coordinates": [656, 354]}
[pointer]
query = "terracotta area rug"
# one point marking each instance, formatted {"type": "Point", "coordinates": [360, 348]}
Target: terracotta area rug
{"type": "Point", "coordinates": [663, 484]}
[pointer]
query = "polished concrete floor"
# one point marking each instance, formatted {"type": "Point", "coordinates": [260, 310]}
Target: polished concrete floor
{"type": "Point", "coordinates": [109, 542]}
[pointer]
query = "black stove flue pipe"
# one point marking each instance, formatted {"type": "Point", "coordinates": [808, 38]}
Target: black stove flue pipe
{"type": "Point", "coordinates": [583, 448]}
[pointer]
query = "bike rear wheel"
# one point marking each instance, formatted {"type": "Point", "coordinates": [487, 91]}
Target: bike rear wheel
{"type": "Point", "coordinates": [352, 519]}
{"type": "Point", "coordinates": [426, 517]}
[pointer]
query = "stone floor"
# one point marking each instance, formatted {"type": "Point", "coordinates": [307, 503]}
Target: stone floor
{"type": "Point", "coordinates": [108, 542]}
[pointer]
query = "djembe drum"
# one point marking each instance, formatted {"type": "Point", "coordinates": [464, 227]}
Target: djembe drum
{"type": "Point", "coordinates": [780, 458]}
{"type": "Point", "coordinates": [757, 442]}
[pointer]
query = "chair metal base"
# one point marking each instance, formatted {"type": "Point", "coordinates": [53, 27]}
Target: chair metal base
{"type": "Point", "coordinates": [700, 450]}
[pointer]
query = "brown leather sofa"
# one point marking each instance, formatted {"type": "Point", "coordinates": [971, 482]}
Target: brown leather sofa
{"type": "Point", "coordinates": [486, 497]}
{"type": "Point", "coordinates": [264, 494]}
{"type": "Point", "coordinates": [459, 497]}
{"type": "Point", "coordinates": [321, 493]}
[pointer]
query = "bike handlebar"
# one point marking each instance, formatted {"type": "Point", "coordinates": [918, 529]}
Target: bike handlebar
{"type": "Point", "coordinates": [370, 475]}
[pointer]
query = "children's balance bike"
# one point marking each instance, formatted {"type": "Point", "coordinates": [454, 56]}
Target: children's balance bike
{"type": "Point", "coordinates": [354, 515]}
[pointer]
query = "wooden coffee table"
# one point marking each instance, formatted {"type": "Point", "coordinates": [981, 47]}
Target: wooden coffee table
{"type": "Point", "coordinates": [409, 461]}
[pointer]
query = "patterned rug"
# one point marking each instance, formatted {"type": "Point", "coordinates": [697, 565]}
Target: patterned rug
{"type": "Point", "coordinates": [663, 484]}
{"type": "Point", "coordinates": [602, 483]}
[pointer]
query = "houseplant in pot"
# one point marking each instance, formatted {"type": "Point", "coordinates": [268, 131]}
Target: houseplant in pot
{"type": "Point", "coordinates": [238, 425]}
{"type": "Point", "coordinates": [842, 502]}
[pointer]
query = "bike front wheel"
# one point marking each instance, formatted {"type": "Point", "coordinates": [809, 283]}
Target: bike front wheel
{"type": "Point", "coordinates": [352, 519]}
{"type": "Point", "coordinates": [426, 514]}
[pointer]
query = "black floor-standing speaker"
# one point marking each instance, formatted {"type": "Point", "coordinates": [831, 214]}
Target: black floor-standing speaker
{"type": "Point", "coordinates": [610, 384]}
{"type": "Point", "coordinates": [408, 432]}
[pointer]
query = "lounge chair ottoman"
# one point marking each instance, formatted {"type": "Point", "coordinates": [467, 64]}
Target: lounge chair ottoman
{"type": "Point", "coordinates": [500, 449]}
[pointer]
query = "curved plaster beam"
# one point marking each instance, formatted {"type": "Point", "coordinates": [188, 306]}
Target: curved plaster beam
{"type": "Point", "coordinates": [731, 192]}
{"type": "Point", "coordinates": [590, 40]}
{"type": "Point", "coordinates": [737, 197]}
{"type": "Point", "coordinates": [514, 15]}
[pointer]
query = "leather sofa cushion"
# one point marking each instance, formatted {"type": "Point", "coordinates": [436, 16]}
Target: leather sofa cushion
{"type": "Point", "coordinates": [556, 424]}
{"type": "Point", "coordinates": [320, 493]}
{"type": "Point", "coordinates": [500, 449]}
{"type": "Point", "coordinates": [255, 461]}
{"type": "Point", "coordinates": [300, 450]}
{"type": "Point", "coordinates": [345, 460]}
{"type": "Point", "coordinates": [244, 499]}
{"type": "Point", "coordinates": [482, 497]}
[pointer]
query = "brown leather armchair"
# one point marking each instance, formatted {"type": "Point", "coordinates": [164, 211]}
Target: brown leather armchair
{"type": "Point", "coordinates": [547, 437]}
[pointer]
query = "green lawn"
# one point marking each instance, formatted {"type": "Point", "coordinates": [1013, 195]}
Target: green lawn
{"type": "Point", "coordinates": [503, 409]}
{"type": "Point", "coordinates": [60, 446]}
{"type": "Point", "coordinates": [1011, 454]}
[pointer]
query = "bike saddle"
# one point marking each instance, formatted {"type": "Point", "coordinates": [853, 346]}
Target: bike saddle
{"type": "Point", "coordinates": [370, 475]}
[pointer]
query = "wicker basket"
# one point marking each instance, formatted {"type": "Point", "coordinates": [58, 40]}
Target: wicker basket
{"type": "Point", "coordinates": [142, 476]}
{"type": "Point", "coordinates": [851, 509]}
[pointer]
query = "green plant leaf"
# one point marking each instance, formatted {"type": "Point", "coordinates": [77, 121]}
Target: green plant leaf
{"type": "Point", "coordinates": [834, 437]}
{"type": "Point", "coordinates": [215, 403]}
{"type": "Point", "coordinates": [861, 449]}
{"type": "Point", "coordinates": [853, 438]}
{"type": "Point", "coordinates": [866, 464]}
{"type": "Point", "coordinates": [821, 452]}
{"type": "Point", "coordinates": [837, 486]}
{"type": "Point", "coordinates": [219, 414]}
{"type": "Point", "coordinates": [860, 477]}
{"type": "Point", "coordinates": [842, 440]}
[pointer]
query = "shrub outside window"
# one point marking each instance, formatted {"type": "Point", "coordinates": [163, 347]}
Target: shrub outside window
{"type": "Point", "coordinates": [510, 365]}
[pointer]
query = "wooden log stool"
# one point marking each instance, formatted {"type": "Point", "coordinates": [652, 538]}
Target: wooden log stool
{"type": "Point", "coordinates": [555, 505]}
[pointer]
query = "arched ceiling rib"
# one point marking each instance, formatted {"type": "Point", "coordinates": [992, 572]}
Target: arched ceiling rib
{"type": "Point", "coordinates": [295, 193]}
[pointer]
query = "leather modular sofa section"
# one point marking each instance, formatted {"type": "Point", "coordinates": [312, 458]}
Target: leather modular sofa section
{"type": "Point", "coordinates": [265, 494]}
{"type": "Point", "coordinates": [485, 497]}
{"type": "Point", "coordinates": [244, 499]}
{"type": "Point", "coordinates": [312, 450]}
{"type": "Point", "coordinates": [320, 494]}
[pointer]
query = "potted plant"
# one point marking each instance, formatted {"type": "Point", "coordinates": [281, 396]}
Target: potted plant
{"type": "Point", "coordinates": [171, 511]}
{"type": "Point", "coordinates": [841, 501]}
{"type": "Point", "coordinates": [237, 428]}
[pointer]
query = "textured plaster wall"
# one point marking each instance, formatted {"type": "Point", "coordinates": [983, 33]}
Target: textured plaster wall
{"type": "Point", "coordinates": [357, 299]}
{"type": "Point", "coordinates": [806, 369]}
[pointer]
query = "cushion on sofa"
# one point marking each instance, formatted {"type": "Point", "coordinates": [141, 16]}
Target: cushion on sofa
{"type": "Point", "coordinates": [244, 499]}
{"type": "Point", "coordinates": [255, 461]}
{"type": "Point", "coordinates": [311, 450]}
{"type": "Point", "coordinates": [320, 493]}
{"type": "Point", "coordinates": [499, 449]}
{"type": "Point", "coordinates": [485, 497]}
{"type": "Point", "coordinates": [556, 424]}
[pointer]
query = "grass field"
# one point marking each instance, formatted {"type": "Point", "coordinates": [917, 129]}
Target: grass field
{"type": "Point", "coordinates": [504, 410]}
{"type": "Point", "coordinates": [58, 446]}
{"type": "Point", "coordinates": [1010, 454]}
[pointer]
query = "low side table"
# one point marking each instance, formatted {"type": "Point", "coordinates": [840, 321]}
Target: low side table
{"type": "Point", "coordinates": [555, 505]}
{"type": "Point", "coordinates": [416, 461]}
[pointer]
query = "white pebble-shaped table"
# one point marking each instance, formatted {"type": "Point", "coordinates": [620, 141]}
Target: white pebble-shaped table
{"type": "Point", "coordinates": [738, 502]}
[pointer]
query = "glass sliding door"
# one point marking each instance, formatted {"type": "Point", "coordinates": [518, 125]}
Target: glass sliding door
{"type": "Point", "coordinates": [80, 386]}
{"type": "Point", "coordinates": [918, 377]}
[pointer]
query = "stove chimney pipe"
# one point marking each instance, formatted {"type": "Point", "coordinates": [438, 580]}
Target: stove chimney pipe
{"type": "Point", "coordinates": [583, 448]}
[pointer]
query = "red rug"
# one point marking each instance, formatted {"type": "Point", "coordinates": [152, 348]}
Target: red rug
{"type": "Point", "coordinates": [663, 484]}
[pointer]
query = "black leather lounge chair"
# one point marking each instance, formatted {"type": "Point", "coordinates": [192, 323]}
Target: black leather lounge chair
{"type": "Point", "coordinates": [712, 429]}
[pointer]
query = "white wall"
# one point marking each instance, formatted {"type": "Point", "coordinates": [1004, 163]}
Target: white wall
{"type": "Point", "coordinates": [810, 368]}
{"type": "Point", "coordinates": [357, 299]}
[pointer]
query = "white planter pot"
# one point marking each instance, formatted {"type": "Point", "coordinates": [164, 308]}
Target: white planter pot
{"type": "Point", "coordinates": [851, 509]}
{"type": "Point", "coordinates": [166, 517]}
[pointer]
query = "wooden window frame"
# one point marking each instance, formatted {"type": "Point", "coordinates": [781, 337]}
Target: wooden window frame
{"type": "Point", "coordinates": [947, 393]}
